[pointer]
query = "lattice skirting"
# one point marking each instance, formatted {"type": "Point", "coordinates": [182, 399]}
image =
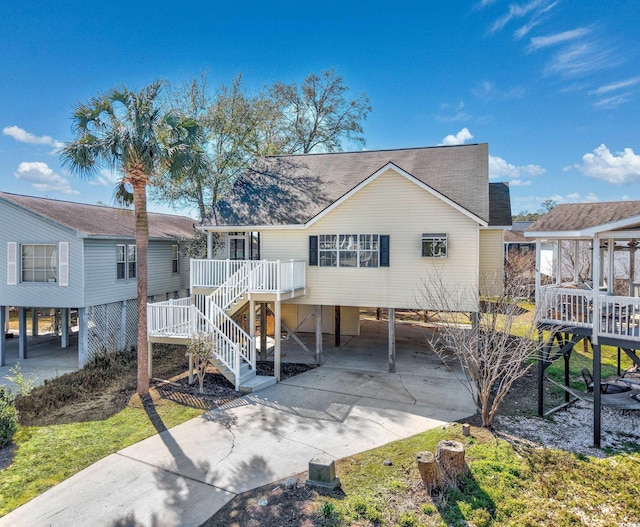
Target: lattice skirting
{"type": "Point", "coordinates": [114, 327]}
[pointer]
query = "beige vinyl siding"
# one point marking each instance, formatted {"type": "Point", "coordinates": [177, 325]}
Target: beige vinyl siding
{"type": "Point", "coordinates": [391, 205]}
{"type": "Point", "coordinates": [309, 325]}
{"type": "Point", "coordinates": [349, 319]}
{"type": "Point", "coordinates": [491, 260]}
{"type": "Point", "coordinates": [289, 315]}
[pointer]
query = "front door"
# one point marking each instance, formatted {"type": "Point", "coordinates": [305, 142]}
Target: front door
{"type": "Point", "coordinates": [237, 247]}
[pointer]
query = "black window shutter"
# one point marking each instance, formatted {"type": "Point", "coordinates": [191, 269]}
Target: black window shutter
{"type": "Point", "coordinates": [384, 250]}
{"type": "Point", "coordinates": [313, 250]}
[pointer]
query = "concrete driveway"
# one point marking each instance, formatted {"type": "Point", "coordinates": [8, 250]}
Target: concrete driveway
{"type": "Point", "coordinates": [46, 359]}
{"type": "Point", "coordinates": [183, 475]}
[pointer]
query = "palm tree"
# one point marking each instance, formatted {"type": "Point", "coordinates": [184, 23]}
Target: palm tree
{"type": "Point", "coordinates": [130, 132]}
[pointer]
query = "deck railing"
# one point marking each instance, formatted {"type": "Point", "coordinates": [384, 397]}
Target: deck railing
{"type": "Point", "coordinates": [619, 316]}
{"type": "Point", "coordinates": [260, 276]}
{"type": "Point", "coordinates": [231, 343]}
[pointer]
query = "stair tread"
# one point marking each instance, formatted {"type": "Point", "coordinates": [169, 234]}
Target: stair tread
{"type": "Point", "coordinates": [257, 382]}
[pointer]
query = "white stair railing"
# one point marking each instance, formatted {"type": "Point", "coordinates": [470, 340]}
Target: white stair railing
{"type": "Point", "coordinates": [231, 280]}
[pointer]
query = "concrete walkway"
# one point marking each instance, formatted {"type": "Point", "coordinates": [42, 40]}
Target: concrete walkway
{"type": "Point", "coordinates": [183, 475]}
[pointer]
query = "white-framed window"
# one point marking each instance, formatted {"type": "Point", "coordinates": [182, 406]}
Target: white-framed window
{"type": "Point", "coordinates": [434, 245]}
{"type": "Point", "coordinates": [39, 262]}
{"type": "Point", "coordinates": [369, 250]}
{"type": "Point", "coordinates": [328, 250]}
{"type": "Point", "coordinates": [126, 258]}
{"type": "Point", "coordinates": [349, 250]}
{"type": "Point", "coordinates": [175, 266]}
{"type": "Point", "coordinates": [121, 261]}
{"type": "Point", "coordinates": [132, 258]}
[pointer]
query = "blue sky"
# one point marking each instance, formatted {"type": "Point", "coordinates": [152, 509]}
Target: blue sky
{"type": "Point", "coordinates": [552, 86]}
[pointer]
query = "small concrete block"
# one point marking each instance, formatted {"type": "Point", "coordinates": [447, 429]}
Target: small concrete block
{"type": "Point", "coordinates": [322, 473]}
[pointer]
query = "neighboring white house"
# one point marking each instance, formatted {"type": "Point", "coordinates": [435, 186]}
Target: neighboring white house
{"type": "Point", "coordinates": [75, 257]}
{"type": "Point", "coordinates": [319, 236]}
{"type": "Point", "coordinates": [595, 293]}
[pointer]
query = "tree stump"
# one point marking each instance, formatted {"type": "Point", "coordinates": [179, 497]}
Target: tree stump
{"type": "Point", "coordinates": [429, 470]}
{"type": "Point", "coordinates": [450, 459]}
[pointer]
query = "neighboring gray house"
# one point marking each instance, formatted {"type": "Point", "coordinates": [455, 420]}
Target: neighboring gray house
{"type": "Point", "coordinates": [71, 256]}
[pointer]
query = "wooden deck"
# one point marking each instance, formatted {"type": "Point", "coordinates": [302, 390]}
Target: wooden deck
{"type": "Point", "coordinates": [615, 319]}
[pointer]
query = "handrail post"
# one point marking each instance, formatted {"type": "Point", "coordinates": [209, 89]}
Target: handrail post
{"type": "Point", "coordinates": [278, 277]}
{"type": "Point", "coordinates": [237, 366]}
{"type": "Point", "coordinates": [253, 352]}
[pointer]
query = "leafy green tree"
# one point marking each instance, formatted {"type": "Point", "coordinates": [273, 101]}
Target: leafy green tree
{"type": "Point", "coordinates": [238, 128]}
{"type": "Point", "coordinates": [230, 122]}
{"type": "Point", "coordinates": [545, 207]}
{"type": "Point", "coordinates": [129, 132]}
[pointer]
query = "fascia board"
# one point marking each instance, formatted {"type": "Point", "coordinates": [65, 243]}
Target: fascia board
{"type": "Point", "coordinates": [613, 225]}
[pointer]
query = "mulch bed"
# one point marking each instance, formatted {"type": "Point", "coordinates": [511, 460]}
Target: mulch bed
{"type": "Point", "coordinates": [217, 390]}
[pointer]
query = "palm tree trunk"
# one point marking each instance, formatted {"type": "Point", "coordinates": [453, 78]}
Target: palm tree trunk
{"type": "Point", "coordinates": [142, 242]}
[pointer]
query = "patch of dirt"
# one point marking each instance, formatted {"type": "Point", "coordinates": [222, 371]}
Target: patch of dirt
{"type": "Point", "coordinates": [106, 386]}
{"type": "Point", "coordinates": [98, 391]}
{"type": "Point", "coordinates": [6, 455]}
{"type": "Point", "coordinates": [286, 503]}
{"type": "Point", "coordinates": [217, 390]}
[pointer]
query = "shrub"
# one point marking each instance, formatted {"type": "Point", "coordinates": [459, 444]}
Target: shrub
{"type": "Point", "coordinates": [25, 384]}
{"type": "Point", "coordinates": [8, 416]}
{"type": "Point", "coordinates": [201, 349]}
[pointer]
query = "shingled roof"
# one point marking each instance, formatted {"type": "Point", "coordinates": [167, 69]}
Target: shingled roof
{"type": "Point", "coordinates": [289, 190]}
{"type": "Point", "coordinates": [578, 217]}
{"type": "Point", "coordinates": [99, 221]}
{"type": "Point", "coordinates": [499, 204]}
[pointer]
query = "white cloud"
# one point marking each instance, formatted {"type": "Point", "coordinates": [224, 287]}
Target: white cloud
{"type": "Point", "coordinates": [621, 168]}
{"type": "Point", "coordinates": [488, 90]}
{"type": "Point", "coordinates": [19, 134]}
{"type": "Point", "coordinates": [520, 183]}
{"type": "Point", "coordinates": [459, 139]}
{"type": "Point", "coordinates": [43, 178]}
{"type": "Point", "coordinates": [525, 30]}
{"type": "Point", "coordinates": [615, 86]}
{"type": "Point", "coordinates": [613, 102]}
{"type": "Point", "coordinates": [106, 178]}
{"type": "Point", "coordinates": [581, 58]}
{"type": "Point", "coordinates": [576, 197]}
{"type": "Point", "coordinates": [499, 168]}
{"type": "Point", "coordinates": [519, 11]}
{"type": "Point", "coordinates": [557, 38]}
{"type": "Point", "coordinates": [452, 112]}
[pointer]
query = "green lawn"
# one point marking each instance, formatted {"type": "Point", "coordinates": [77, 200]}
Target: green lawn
{"type": "Point", "coordinates": [47, 455]}
{"type": "Point", "coordinates": [529, 487]}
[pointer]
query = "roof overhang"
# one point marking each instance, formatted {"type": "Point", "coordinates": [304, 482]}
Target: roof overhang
{"type": "Point", "coordinates": [613, 229]}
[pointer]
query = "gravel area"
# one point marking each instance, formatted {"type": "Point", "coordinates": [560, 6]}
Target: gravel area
{"type": "Point", "coordinates": [571, 429]}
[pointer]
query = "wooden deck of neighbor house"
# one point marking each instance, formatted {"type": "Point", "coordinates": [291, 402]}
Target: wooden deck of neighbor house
{"type": "Point", "coordinates": [570, 309]}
